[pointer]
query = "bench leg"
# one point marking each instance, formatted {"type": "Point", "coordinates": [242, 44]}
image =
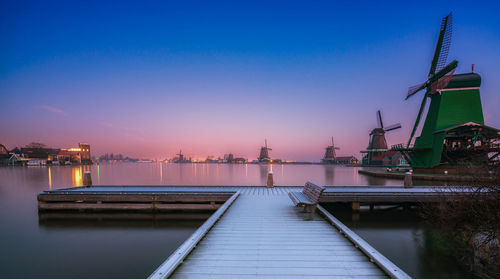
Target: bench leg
{"type": "Point", "coordinates": [311, 214]}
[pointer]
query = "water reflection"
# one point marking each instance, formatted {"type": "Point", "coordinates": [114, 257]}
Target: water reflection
{"type": "Point", "coordinates": [50, 177]}
{"type": "Point", "coordinates": [98, 175]}
{"type": "Point", "coordinates": [406, 240]}
{"type": "Point", "coordinates": [329, 172]}
{"type": "Point", "coordinates": [203, 174]}
{"type": "Point", "coordinates": [263, 169]}
{"type": "Point", "coordinates": [77, 178]}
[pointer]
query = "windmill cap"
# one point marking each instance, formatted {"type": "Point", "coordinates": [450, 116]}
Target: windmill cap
{"type": "Point", "coordinates": [465, 80]}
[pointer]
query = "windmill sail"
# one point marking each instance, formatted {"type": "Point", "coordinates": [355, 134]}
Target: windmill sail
{"type": "Point", "coordinates": [414, 89]}
{"type": "Point", "coordinates": [439, 74]}
{"type": "Point", "coordinates": [379, 120]}
{"type": "Point", "coordinates": [392, 127]}
{"type": "Point", "coordinates": [442, 45]}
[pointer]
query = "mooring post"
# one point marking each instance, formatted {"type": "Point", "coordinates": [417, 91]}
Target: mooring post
{"type": "Point", "coordinates": [270, 181]}
{"type": "Point", "coordinates": [355, 206]}
{"type": "Point", "coordinates": [87, 179]}
{"type": "Point", "coordinates": [408, 180]}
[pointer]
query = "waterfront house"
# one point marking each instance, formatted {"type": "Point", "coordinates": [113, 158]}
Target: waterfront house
{"type": "Point", "coordinates": [4, 155]}
{"type": "Point", "coordinates": [347, 160]}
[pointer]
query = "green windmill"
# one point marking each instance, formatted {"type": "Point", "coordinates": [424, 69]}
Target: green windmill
{"type": "Point", "coordinates": [454, 133]}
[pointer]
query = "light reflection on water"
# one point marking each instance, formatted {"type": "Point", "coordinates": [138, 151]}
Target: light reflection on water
{"type": "Point", "coordinates": [96, 249]}
{"type": "Point", "coordinates": [215, 174]}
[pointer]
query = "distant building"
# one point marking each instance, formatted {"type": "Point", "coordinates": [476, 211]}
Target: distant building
{"type": "Point", "coordinates": [74, 155]}
{"type": "Point", "coordinates": [4, 155]}
{"type": "Point", "coordinates": [212, 159]}
{"type": "Point", "coordinates": [347, 160]}
{"type": "Point", "coordinates": [14, 159]}
{"type": "Point", "coordinates": [85, 153]}
{"type": "Point", "coordinates": [38, 151]}
{"type": "Point", "coordinates": [239, 161]}
{"type": "Point", "coordinates": [388, 158]}
{"type": "Point", "coordinates": [3, 150]}
{"type": "Point", "coordinates": [228, 158]}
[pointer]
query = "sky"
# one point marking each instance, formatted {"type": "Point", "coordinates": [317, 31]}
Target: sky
{"type": "Point", "coordinates": [147, 78]}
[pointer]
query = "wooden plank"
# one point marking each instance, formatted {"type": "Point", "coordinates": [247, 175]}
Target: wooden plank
{"type": "Point", "coordinates": [126, 206]}
{"type": "Point", "coordinates": [172, 262]}
{"type": "Point", "coordinates": [262, 276]}
{"type": "Point", "coordinates": [263, 235]}
{"type": "Point", "coordinates": [131, 198]}
{"type": "Point", "coordinates": [384, 263]}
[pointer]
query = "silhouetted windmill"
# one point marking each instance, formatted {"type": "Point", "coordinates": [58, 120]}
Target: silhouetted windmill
{"type": "Point", "coordinates": [181, 156]}
{"type": "Point", "coordinates": [330, 154]}
{"type": "Point", "coordinates": [378, 143]}
{"type": "Point", "coordinates": [264, 153]}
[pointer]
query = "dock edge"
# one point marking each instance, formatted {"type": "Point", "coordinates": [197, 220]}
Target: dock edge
{"type": "Point", "coordinates": [177, 257]}
{"type": "Point", "coordinates": [384, 263]}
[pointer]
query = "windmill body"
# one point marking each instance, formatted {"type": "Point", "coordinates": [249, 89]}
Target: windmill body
{"type": "Point", "coordinates": [453, 137]}
{"type": "Point", "coordinates": [330, 154]}
{"type": "Point", "coordinates": [181, 158]}
{"type": "Point", "coordinates": [264, 154]}
{"type": "Point", "coordinates": [377, 153]}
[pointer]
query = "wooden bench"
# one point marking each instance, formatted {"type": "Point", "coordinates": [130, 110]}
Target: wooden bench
{"type": "Point", "coordinates": [308, 198]}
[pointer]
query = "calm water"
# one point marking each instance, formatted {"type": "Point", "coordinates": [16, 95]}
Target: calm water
{"type": "Point", "coordinates": [98, 249]}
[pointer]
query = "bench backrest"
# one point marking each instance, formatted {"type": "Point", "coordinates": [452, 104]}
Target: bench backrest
{"type": "Point", "coordinates": [313, 191]}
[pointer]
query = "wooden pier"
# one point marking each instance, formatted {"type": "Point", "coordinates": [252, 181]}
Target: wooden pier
{"type": "Point", "coordinates": [258, 233]}
{"type": "Point", "coordinates": [255, 232]}
{"type": "Point", "coordinates": [210, 198]}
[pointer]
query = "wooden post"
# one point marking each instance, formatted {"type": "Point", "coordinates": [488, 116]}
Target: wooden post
{"type": "Point", "coordinates": [408, 180]}
{"type": "Point", "coordinates": [270, 181]}
{"type": "Point", "coordinates": [356, 206]}
{"type": "Point", "coordinates": [87, 179]}
{"type": "Point", "coordinates": [355, 216]}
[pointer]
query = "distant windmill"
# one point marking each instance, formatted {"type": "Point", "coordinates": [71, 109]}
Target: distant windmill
{"type": "Point", "coordinates": [181, 156]}
{"type": "Point", "coordinates": [378, 143]}
{"type": "Point", "coordinates": [264, 153]}
{"type": "Point", "coordinates": [330, 154]}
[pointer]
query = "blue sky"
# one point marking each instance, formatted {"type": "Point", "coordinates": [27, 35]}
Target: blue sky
{"type": "Point", "coordinates": [148, 78]}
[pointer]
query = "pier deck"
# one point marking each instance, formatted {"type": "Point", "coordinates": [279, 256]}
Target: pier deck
{"type": "Point", "coordinates": [196, 198]}
{"type": "Point", "coordinates": [259, 234]}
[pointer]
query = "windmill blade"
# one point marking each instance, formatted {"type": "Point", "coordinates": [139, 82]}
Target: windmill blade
{"type": "Point", "coordinates": [441, 82]}
{"type": "Point", "coordinates": [414, 89]}
{"type": "Point", "coordinates": [442, 45]}
{"type": "Point", "coordinates": [445, 48]}
{"type": "Point", "coordinates": [417, 121]}
{"type": "Point", "coordinates": [392, 127]}
{"type": "Point", "coordinates": [379, 120]}
{"type": "Point", "coordinates": [450, 67]}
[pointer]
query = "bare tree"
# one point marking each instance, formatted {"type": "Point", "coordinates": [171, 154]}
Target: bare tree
{"type": "Point", "coordinates": [469, 217]}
